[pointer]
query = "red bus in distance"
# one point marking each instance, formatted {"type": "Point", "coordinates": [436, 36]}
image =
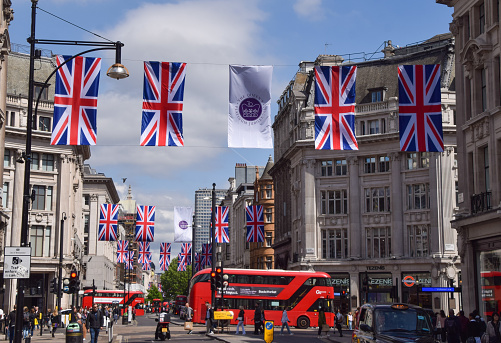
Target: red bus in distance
{"type": "Point", "coordinates": [304, 292]}
{"type": "Point", "coordinates": [491, 292]}
{"type": "Point", "coordinates": [112, 298]}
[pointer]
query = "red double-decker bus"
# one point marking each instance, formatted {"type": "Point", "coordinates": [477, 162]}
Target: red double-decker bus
{"type": "Point", "coordinates": [304, 292]}
{"type": "Point", "coordinates": [115, 298]}
{"type": "Point", "coordinates": [491, 292]}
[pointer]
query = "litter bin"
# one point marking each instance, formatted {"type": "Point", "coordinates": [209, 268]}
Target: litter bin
{"type": "Point", "coordinates": [74, 333]}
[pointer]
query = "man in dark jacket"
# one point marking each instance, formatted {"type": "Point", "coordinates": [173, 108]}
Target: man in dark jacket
{"type": "Point", "coordinates": [12, 324]}
{"type": "Point", "coordinates": [453, 328]}
{"type": "Point", "coordinates": [257, 319]}
{"type": "Point", "coordinates": [209, 318]}
{"type": "Point", "coordinates": [95, 322]}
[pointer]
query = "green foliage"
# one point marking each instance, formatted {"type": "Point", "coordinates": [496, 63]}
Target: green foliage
{"type": "Point", "coordinates": [153, 293]}
{"type": "Point", "coordinates": [174, 282]}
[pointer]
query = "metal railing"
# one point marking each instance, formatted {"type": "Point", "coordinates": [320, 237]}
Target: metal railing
{"type": "Point", "coordinates": [480, 202]}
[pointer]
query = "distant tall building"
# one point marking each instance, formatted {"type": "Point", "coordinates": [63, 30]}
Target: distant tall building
{"type": "Point", "coordinates": [203, 209]}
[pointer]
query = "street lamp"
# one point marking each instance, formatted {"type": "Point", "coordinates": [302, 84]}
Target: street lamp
{"type": "Point", "coordinates": [117, 71]}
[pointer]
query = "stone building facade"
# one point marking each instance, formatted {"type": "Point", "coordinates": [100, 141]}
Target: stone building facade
{"type": "Point", "coordinates": [477, 30]}
{"type": "Point", "coordinates": [376, 219]}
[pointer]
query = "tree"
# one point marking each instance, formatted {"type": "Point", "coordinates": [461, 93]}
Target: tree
{"type": "Point", "coordinates": [174, 282]}
{"type": "Point", "coordinates": [153, 293]}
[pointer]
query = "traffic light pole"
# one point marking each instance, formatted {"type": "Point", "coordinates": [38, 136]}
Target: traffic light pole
{"type": "Point", "coordinates": [60, 279]}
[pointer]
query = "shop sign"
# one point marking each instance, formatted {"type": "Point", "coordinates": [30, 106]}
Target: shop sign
{"type": "Point", "coordinates": [410, 281]}
{"type": "Point", "coordinates": [341, 282]}
{"type": "Point", "coordinates": [375, 268]}
{"type": "Point", "coordinates": [381, 282]}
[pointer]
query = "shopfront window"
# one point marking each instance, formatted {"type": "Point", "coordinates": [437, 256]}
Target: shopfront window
{"type": "Point", "coordinates": [376, 287]}
{"type": "Point", "coordinates": [411, 284]}
{"type": "Point", "coordinates": [341, 284]}
{"type": "Point", "coordinates": [490, 281]}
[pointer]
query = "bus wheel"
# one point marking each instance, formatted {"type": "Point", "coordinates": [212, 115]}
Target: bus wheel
{"type": "Point", "coordinates": [303, 322]}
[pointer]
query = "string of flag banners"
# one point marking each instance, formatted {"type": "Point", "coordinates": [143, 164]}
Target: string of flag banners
{"type": "Point", "coordinates": [249, 120]}
{"type": "Point", "coordinates": [144, 234]}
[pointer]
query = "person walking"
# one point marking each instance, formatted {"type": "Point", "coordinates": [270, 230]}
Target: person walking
{"type": "Point", "coordinates": [463, 322]}
{"type": "Point", "coordinates": [95, 322]}
{"type": "Point", "coordinates": [209, 318]}
{"type": "Point", "coordinates": [493, 329]}
{"type": "Point", "coordinates": [241, 320]}
{"type": "Point", "coordinates": [54, 319]}
{"type": "Point", "coordinates": [453, 328]}
{"type": "Point", "coordinates": [285, 322]}
{"type": "Point", "coordinates": [321, 322]}
{"type": "Point", "coordinates": [350, 321]}
{"type": "Point", "coordinates": [473, 330]}
{"type": "Point", "coordinates": [12, 324]}
{"type": "Point", "coordinates": [26, 324]}
{"type": "Point", "coordinates": [441, 325]}
{"type": "Point", "coordinates": [257, 319]}
{"type": "Point", "coordinates": [189, 316]}
{"type": "Point", "coordinates": [339, 322]}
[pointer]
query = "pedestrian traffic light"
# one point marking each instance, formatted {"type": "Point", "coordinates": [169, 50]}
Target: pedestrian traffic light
{"type": "Point", "coordinates": [74, 285]}
{"type": "Point", "coordinates": [219, 277]}
{"type": "Point", "coordinates": [213, 280]}
{"type": "Point", "coordinates": [53, 285]}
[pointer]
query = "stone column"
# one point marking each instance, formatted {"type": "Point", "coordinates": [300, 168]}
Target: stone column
{"type": "Point", "coordinates": [355, 212]}
{"type": "Point", "coordinates": [94, 208]}
{"type": "Point", "coordinates": [310, 223]}
{"type": "Point", "coordinates": [397, 207]}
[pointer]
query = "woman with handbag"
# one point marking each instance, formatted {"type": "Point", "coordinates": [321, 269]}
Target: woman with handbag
{"type": "Point", "coordinates": [188, 324]}
{"type": "Point", "coordinates": [322, 323]}
{"type": "Point", "coordinates": [285, 322]}
{"type": "Point", "coordinates": [493, 329]}
{"type": "Point", "coordinates": [55, 321]}
{"type": "Point", "coordinates": [240, 319]}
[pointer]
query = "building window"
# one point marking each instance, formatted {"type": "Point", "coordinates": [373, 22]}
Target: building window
{"type": "Point", "coordinates": [326, 168]}
{"type": "Point", "coordinates": [35, 160]}
{"type": "Point", "coordinates": [269, 238]}
{"type": "Point", "coordinates": [268, 215]}
{"type": "Point", "coordinates": [47, 162]}
{"type": "Point", "coordinates": [334, 244]}
{"type": "Point", "coordinates": [86, 200]}
{"type": "Point", "coordinates": [369, 165]}
{"type": "Point", "coordinates": [378, 242]}
{"type": "Point", "coordinates": [377, 95]}
{"type": "Point", "coordinates": [6, 158]}
{"type": "Point", "coordinates": [481, 18]}
{"type": "Point", "coordinates": [418, 240]}
{"type": "Point", "coordinates": [86, 223]}
{"type": "Point", "coordinates": [486, 169]}
{"type": "Point", "coordinates": [12, 121]}
{"type": "Point", "coordinates": [377, 199]}
{"type": "Point", "coordinates": [382, 165]}
{"type": "Point", "coordinates": [418, 196]}
{"type": "Point", "coordinates": [43, 198]}
{"type": "Point", "coordinates": [362, 128]}
{"type": "Point", "coordinates": [267, 192]}
{"type": "Point", "coordinates": [373, 127]}
{"type": "Point", "coordinates": [269, 262]}
{"type": "Point", "coordinates": [341, 167]}
{"type": "Point", "coordinates": [5, 195]}
{"type": "Point", "coordinates": [416, 160]}
{"type": "Point", "coordinates": [40, 240]}
{"type": "Point", "coordinates": [483, 89]}
{"type": "Point", "coordinates": [334, 202]}
{"type": "Point", "coordinates": [44, 123]}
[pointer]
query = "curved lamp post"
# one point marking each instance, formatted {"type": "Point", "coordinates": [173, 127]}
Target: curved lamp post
{"type": "Point", "coordinates": [116, 71]}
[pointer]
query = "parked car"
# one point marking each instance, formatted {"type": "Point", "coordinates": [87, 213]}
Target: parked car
{"type": "Point", "coordinates": [393, 323]}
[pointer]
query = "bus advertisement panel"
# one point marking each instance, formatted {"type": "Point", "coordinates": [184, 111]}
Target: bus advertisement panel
{"type": "Point", "coordinates": [115, 298]}
{"type": "Point", "coordinates": [303, 292]}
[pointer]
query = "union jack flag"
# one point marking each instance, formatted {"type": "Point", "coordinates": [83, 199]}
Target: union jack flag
{"type": "Point", "coordinates": [420, 108]}
{"type": "Point", "coordinates": [129, 260]}
{"type": "Point", "coordinates": [146, 266]}
{"type": "Point", "coordinates": [75, 101]}
{"type": "Point", "coordinates": [160, 287]}
{"type": "Point", "coordinates": [335, 108]}
{"type": "Point", "coordinates": [122, 251]}
{"type": "Point", "coordinates": [145, 223]}
{"type": "Point", "coordinates": [221, 229]}
{"type": "Point", "coordinates": [185, 254]}
{"type": "Point", "coordinates": [144, 253]}
{"type": "Point", "coordinates": [163, 94]}
{"type": "Point", "coordinates": [181, 266]}
{"type": "Point", "coordinates": [108, 222]}
{"type": "Point", "coordinates": [164, 256]}
{"type": "Point", "coordinates": [255, 223]}
{"type": "Point", "coordinates": [206, 256]}
{"type": "Point", "coordinates": [197, 262]}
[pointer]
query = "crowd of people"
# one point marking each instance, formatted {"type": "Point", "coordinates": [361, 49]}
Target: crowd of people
{"type": "Point", "coordinates": [91, 321]}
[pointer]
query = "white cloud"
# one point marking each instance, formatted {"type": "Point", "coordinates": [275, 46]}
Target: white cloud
{"type": "Point", "coordinates": [309, 9]}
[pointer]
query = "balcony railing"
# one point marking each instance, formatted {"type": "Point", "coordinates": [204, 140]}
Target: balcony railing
{"type": "Point", "coordinates": [480, 202]}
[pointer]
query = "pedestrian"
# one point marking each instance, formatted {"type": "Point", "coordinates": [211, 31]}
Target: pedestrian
{"type": "Point", "coordinates": [453, 328]}
{"type": "Point", "coordinates": [285, 322]}
{"type": "Point", "coordinates": [115, 315]}
{"type": "Point", "coordinates": [474, 331]}
{"type": "Point", "coordinates": [189, 317]}
{"type": "Point", "coordinates": [95, 322]}
{"type": "Point", "coordinates": [350, 321]}
{"type": "Point", "coordinates": [26, 324]}
{"type": "Point", "coordinates": [339, 322]}
{"type": "Point", "coordinates": [322, 322]}
{"type": "Point", "coordinates": [463, 322]}
{"type": "Point", "coordinates": [12, 324]}
{"type": "Point", "coordinates": [55, 321]}
{"type": "Point", "coordinates": [209, 318]}
{"type": "Point", "coordinates": [493, 329]}
{"type": "Point", "coordinates": [241, 320]}
{"type": "Point", "coordinates": [80, 321]}
{"type": "Point", "coordinates": [33, 317]}
{"type": "Point", "coordinates": [441, 322]}
{"type": "Point", "coordinates": [257, 319]}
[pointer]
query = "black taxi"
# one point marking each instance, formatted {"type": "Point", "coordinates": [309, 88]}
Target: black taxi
{"type": "Point", "coordinates": [392, 323]}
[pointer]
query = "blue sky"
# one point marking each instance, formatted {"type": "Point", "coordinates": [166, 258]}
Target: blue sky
{"type": "Point", "coordinates": [209, 35]}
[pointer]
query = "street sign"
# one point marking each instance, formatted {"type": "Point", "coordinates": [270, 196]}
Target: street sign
{"type": "Point", "coordinates": [17, 263]}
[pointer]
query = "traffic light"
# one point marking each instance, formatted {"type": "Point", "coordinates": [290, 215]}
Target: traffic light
{"type": "Point", "coordinates": [66, 285]}
{"type": "Point", "coordinates": [53, 285]}
{"type": "Point", "coordinates": [74, 284]}
{"type": "Point", "coordinates": [219, 277]}
{"type": "Point", "coordinates": [213, 280]}
{"type": "Point", "coordinates": [225, 281]}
